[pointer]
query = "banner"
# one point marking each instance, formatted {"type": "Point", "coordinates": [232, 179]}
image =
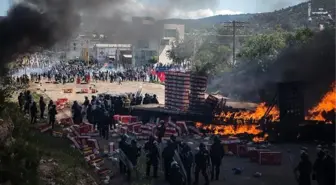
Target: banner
{"type": "Point", "coordinates": [161, 76]}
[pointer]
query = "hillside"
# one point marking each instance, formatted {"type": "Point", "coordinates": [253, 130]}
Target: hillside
{"type": "Point", "coordinates": [207, 21]}
{"type": "Point", "coordinates": [289, 18]}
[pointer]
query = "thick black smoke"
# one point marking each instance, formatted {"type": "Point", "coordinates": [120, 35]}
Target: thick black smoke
{"type": "Point", "coordinates": [30, 27]}
{"type": "Point", "coordinates": [39, 24]}
{"type": "Point", "coordinates": [313, 64]}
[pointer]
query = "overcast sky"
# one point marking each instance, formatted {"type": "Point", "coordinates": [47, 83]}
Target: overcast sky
{"type": "Point", "coordinates": [201, 8]}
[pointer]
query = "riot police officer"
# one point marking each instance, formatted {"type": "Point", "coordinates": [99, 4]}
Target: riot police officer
{"type": "Point", "coordinates": [216, 155]}
{"type": "Point", "coordinates": [202, 160]}
{"type": "Point", "coordinates": [176, 177]}
{"type": "Point", "coordinates": [318, 168]}
{"type": "Point", "coordinates": [122, 147]}
{"type": "Point", "coordinates": [161, 131]}
{"type": "Point", "coordinates": [168, 155]}
{"type": "Point", "coordinates": [133, 155]}
{"type": "Point", "coordinates": [152, 155]}
{"type": "Point", "coordinates": [304, 168]}
{"type": "Point", "coordinates": [187, 160]}
{"type": "Point", "coordinates": [329, 169]}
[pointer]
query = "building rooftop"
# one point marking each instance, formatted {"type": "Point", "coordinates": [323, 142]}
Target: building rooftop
{"type": "Point", "coordinates": [113, 45]}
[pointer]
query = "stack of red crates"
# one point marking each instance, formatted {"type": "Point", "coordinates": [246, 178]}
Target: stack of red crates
{"type": "Point", "coordinates": [198, 86]}
{"type": "Point", "coordinates": [177, 87]}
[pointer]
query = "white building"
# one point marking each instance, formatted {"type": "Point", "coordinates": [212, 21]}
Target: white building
{"type": "Point", "coordinates": [154, 40]}
{"type": "Point", "coordinates": [77, 47]}
{"type": "Point", "coordinates": [171, 33]}
{"type": "Point", "coordinates": [120, 53]}
{"type": "Point", "coordinates": [147, 42]}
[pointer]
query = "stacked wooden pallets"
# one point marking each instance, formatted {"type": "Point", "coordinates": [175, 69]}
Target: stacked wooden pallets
{"type": "Point", "coordinates": [177, 88]}
{"type": "Point", "coordinates": [198, 86]}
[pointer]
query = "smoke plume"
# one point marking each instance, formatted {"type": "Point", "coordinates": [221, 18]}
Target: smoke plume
{"type": "Point", "coordinates": [313, 65]}
{"type": "Point", "coordinates": [33, 25]}
{"type": "Point", "coordinates": [40, 24]}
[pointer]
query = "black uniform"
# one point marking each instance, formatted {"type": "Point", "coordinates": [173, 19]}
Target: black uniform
{"type": "Point", "coordinates": [329, 170]}
{"type": "Point", "coordinates": [42, 107]}
{"type": "Point", "coordinates": [33, 113]}
{"type": "Point", "coordinates": [168, 155]}
{"type": "Point", "coordinates": [76, 113]}
{"type": "Point", "coordinates": [133, 155]}
{"type": "Point", "coordinates": [318, 168]}
{"type": "Point", "coordinates": [161, 131]}
{"type": "Point", "coordinates": [153, 156]}
{"type": "Point", "coordinates": [304, 168]}
{"type": "Point", "coordinates": [122, 147]}
{"type": "Point", "coordinates": [89, 113]}
{"type": "Point", "coordinates": [105, 124]}
{"type": "Point", "coordinates": [86, 101]}
{"type": "Point", "coordinates": [50, 104]}
{"type": "Point", "coordinates": [52, 116]}
{"type": "Point", "coordinates": [187, 160]}
{"type": "Point", "coordinates": [21, 101]}
{"type": "Point", "coordinates": [202, 159]}
{"type": "Point", "coordinates": [177, 177]}
{"type": "Point", "coordinates": [216, 155]}
{"type": "Point", "coordinates": [28, 100]}
{"type": "Point", "coordinates": [154, 100]}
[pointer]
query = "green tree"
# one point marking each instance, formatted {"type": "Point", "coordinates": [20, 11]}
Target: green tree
{"type": "Point", "coordinates": [153, 60]}
{"type": "Point", "coordinates": [212, 59]}
{"type": "Point", "coordinates": [261, 50]}
{"type": "Point", "coordinates": [180, 51]}
{"type": "Point", "coordinates": [207, 56]}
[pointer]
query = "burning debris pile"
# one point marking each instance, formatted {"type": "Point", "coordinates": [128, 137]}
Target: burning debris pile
{"type": "Point", "coordinates": [249, 116]}
{"type": "Point", "coordinates": [234, 130]}
{"type": "Point", "coordinates": [247, 122]}
{"type": "Point", "coordinates": [326, 108]}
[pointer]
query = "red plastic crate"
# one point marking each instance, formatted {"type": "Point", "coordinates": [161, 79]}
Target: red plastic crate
{"type": "Point", "coordinates": [270, 158]}
{"type": "Point", "coordinates": [125, 119]}
{"type": "Point", "coordinates": [254, 154]}
{"type": "Point", "coordinates": [242, 151]}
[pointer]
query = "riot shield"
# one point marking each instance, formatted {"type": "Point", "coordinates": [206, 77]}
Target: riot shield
{"type": "Point", "coordinates": [180, 163]}
{"type": "Point", "coordinates": [124, 159]}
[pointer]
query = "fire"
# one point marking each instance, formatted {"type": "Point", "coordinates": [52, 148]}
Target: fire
{"type": "Point", "coordinates": [231, 130]}
{"type": "Point", "coordinates": [256, 115]}
{"type": "Point", "coordinates": [327, 104]}
{"type": "Point", "coordinates": [257, 139]}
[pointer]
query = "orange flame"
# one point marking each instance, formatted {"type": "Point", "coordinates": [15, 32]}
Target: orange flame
{"type": "Point", "coordinates": [327, 104]}
{"type": "Point", "coordinates": [230, 130]}
{"type": "Point", "coordinates": [256, 115]}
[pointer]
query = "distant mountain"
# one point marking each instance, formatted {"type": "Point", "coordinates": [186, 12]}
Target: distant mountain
{"type": "Point", "coordinates": [207, 21]}
{"type": "Point", "coordinates": [288, 18]}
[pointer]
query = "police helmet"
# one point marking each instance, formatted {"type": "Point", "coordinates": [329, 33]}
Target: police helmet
{"type": "Point", "coordinates": [321, 153]}
{"type": "Point", "coordinates": [216, 139]}
{"type": "Point", "coordinates": [151, 138]}
{"type": "Point", "coordinates": [173, 138]}
{"type": "Point", "coordinates": [304, 156]}
{"type": "Point", "coordinates": [174, 165]}
{"type": "Point", "coordinates": [202, 146]}
{"type": "Point", "coordinates": [123, 137]}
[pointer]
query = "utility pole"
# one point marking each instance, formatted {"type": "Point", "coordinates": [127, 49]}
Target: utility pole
{"type": "Point", "coordinates": [234, 25]}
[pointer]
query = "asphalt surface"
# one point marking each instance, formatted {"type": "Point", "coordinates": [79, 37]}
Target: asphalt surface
{"type": "Point", "coordinates": [271, 175]}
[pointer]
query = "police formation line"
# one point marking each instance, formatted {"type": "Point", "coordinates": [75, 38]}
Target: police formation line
{"type": "Point", "coordinates": [178, 160]}
{"type": "Point", "coordinates": [99, 111]}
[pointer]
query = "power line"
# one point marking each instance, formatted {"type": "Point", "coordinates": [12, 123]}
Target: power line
{"type": "Point", "coordinates": [234, 25]}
